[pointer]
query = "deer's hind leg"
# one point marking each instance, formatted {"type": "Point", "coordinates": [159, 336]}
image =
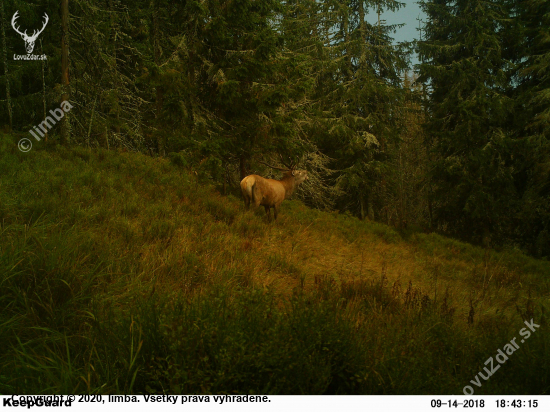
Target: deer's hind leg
{"type": "Point", "coordinates": [267, 212]}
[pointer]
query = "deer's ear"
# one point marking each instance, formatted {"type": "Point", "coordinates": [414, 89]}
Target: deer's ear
{"type": "Point", "coordinates": [293, 173]}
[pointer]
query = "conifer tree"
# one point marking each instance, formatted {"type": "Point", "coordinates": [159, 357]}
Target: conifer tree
{"type": "Point", "coordinates": [532, 95]}
{"type": "Point", "coordinates": [466, 75]}
{"type": "Point", "coordinates": [359, 101]}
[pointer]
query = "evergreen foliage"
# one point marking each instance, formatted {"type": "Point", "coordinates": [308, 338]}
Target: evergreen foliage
{"type": "Point", "coordinates": [461, 147]}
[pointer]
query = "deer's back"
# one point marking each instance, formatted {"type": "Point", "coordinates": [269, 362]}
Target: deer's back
{"type": "Point", "coordinates": [271, 191]}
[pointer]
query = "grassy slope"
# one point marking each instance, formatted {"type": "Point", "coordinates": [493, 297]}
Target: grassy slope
{"type": "Point", "coordinates": [119, 273]}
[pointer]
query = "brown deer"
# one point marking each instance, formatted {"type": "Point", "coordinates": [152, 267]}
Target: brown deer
{"type": "Point", "coordinates": [270, 193]}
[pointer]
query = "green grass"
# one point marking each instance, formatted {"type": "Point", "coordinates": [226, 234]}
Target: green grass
{"type": "Point", "coordinates": [120, 273]}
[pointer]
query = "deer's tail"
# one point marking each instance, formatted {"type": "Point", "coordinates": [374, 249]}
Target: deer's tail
{"type": "Point", "coordinates": [248, 186]}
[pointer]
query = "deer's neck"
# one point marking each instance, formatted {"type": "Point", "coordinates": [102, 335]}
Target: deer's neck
{"type": "Point", "coordinates": [289, 185]}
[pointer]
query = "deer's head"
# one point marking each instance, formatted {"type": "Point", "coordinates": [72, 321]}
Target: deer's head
{"type": "Point", "coordinates": [290, 171]}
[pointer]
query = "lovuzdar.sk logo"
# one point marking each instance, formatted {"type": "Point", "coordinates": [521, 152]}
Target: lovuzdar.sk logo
{"type": "Point", "coordinates": [29, 40]}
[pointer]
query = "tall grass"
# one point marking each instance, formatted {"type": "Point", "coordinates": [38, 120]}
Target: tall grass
{"type": "Point", "coordinates": [120, 273]}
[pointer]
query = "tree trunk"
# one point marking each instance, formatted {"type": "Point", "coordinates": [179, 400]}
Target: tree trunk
{"type": "Point", "coordinates": [107, 137]}
{"type": "Point", "coordinates": [370, 208]}
{"type": "Point", "coordinates": [115, 71]}
{"type": "Point", "coordinates": [348, 69]}
{"type": "Point", "coordinates": [402, 195]}
{"type": "Point", "coordinates": [242, 166]}
{"type": "Point", "coordinates": [90, 126]}
{"type": "Point", "coordinates": [191, 74]}
{"type": "Point", "coordinates": [43, 91]}
{"type": "Point", "coordinates": [225, 178]}
{"type": "Point", "coordinates": [4, 55]}
{"type": "Point", "coordinates": [363, 32]}
{"type": "Point", "coordinates": [65, 124]}
{"type": "Point", "coordinates": [430, 213]}
{"type": "Point", "coordinates": [159, 91]}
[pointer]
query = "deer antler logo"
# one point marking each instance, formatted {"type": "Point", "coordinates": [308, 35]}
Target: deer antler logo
{"type": "Point", "coordinates": [29, 40]}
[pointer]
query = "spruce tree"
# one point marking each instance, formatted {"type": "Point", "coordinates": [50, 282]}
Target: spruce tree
{"type": "Point", "coordinates": [533, 126]}
{"type": "Point", "coordinates": [466, 75]}
{"type": "Point", "coordinates": [359, 96]}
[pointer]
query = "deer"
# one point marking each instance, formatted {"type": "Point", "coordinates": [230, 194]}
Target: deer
{"type": "Point", "coordinates": [270, 193]}
{"type": "Point", "coordinates": [29, 40]}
